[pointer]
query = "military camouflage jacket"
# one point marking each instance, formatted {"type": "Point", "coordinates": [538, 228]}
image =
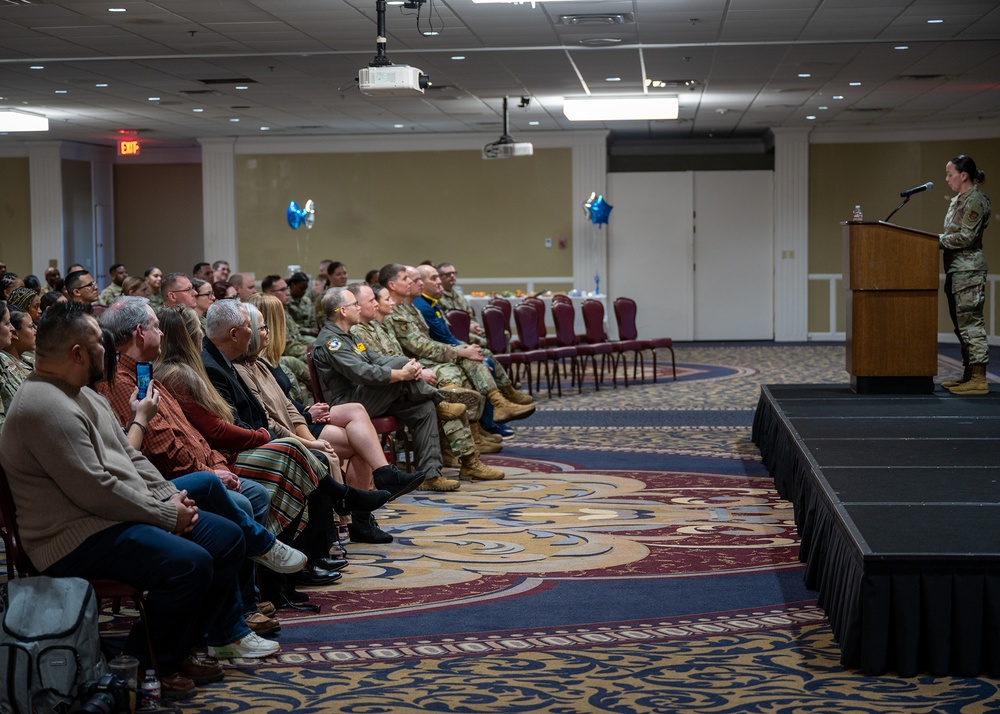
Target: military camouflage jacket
{"type": "Point", "coordinates": [109, 295]}
{"type": "Point", "coordinates": [296, 344]}
{"type": "Point", "coordinates": [962, 240]}
{"type": "Point", "coordinates": [454, 300]}
{"type": "Point", "coordinates": [408, 325]}
{"type": "Point", "coordinates": [302, 312]}
{"type": "Point", "coordinates": [378, 338]}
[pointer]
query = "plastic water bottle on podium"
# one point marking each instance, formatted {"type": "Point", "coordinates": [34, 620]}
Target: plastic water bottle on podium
{"type": "Point", "coordinates": [857, 217]}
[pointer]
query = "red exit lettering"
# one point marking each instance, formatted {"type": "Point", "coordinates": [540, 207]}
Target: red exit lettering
{"type": "Point", "coordinates": [128, 148]}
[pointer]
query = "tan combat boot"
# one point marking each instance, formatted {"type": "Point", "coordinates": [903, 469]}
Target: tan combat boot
{"type": "Point", "coordinates": [439, 483]}
{"type": "Point", "coordinates": [475, 470]}
{"type": "Point", "coordinates": [447, 411]}
{"type": "Point", "coordinates": [516, 396]}
{"type": "Point", "coordinates": [977, 383]}
{"type": "Point", "coordinates": [484, 445]}
{"type": "Point", "coordinates": [505, 411]}
{"type": "Point", "coordinates": [962, 380]}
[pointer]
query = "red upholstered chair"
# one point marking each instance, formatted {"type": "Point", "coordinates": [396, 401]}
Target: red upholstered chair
{"type": "Point", "coordinates": [564, 347]}
{"type": "Point", "coordinates": [597, 341]}
{"type": "Point", "coordinates": [97, 310]}
{"type": "Point", "coordinates": [387, 427]}
{"type": "Point", "coordinates": [539, 306]}
{"type": "Point", "coordinates": [459, 323]}
{"type": "Point", "coordinates": [560, 297]}
{"type": "Point", "coordinates": [507, 309]}
{"type": "Point", "coordinates": [625, 311]}
{"type": "Point", "coordinates": [532, 351]}
{"type": "Point", "coordinates": [496, 340]}
{"type": "Point", "coordinates": [19, 564]}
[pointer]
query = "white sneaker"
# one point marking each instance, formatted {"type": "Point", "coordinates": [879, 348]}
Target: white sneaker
{"type": "Point", "coordinates": [281, 558]}
{"type": "Point", "coordinates": [248, 646]}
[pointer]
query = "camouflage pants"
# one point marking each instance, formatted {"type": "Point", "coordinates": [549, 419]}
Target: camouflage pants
{"type": "Point", "coordinates": [458, 435]}
{"type": "Point", "coordinates": [966, 291]}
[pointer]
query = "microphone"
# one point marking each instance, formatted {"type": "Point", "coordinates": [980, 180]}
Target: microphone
{"type": "Point", "coordinates": [917, 189]}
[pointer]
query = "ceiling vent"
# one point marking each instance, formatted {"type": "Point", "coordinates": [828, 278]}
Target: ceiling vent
{"type": "Point", "coordinates": [231, 80]}
{"type": "Point", "coordinates": [601, 19]}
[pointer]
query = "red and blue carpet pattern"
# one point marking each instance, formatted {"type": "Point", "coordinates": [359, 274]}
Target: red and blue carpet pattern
{"type": "Point", "coordinates": [635, 559]}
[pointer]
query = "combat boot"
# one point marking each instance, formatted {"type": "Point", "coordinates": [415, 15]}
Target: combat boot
{"type": "Point", "coordinates": [472, 399]}
{"type": "Point", "coordinates": [977, 383]}
{"type": "Point", "coordinates": [504, 411]}
{"type": "Point", "coordinates": [515, 395]}
{"type": "Point", "coordinates": [448, 458]}
{"type": "Point", "coordinates": [962, 380]}
{"type": "Point", "coordinates": [439, 483]}
{"type": "Point", "coordinates": [447, 411]}
{"type": "Point", "coordinates": [475, 470]}
{"type": "Point", "coordinates": [484, 445]}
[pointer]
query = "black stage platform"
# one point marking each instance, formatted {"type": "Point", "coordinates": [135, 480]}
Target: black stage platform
{"type": "Point", "coordinates": [897, 503]}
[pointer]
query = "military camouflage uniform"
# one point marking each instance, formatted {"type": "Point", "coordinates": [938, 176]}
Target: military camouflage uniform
{"type": "Point", "coordinates": [965, 268]}
{"type": "Point", "coordinates": [13, 372]}
{"type": "Point", "coordinates": [410, 329]}
{"type": "Point", "coordinates": [302, 312]}
{"type": "Point", "coordinates": [293, 359]}
{"type": "Point", "coordinates": [454, 300]}
{"type": "Point", "coordinates": [350, 372]}
{"type": "Point", "coordinates": [156, 301]}
{"type": "Point", "coordinates": [109, 295]}
{"type": "Point", "coordinates": [455, 431]}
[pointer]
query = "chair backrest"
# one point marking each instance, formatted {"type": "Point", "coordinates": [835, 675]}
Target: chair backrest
{"type": "Point", "coordinates": [17, 559]}
{"type": "Point", "coordinates": [459, 323]}
{"type": "Point", "coordinates": [625, 317]}
{"type": "Point", "coordinates": [593, 321]}
{"type": "Point", "coordinates": [97, 310]}
{"type": "Point", "coordinates": [314, 378]}
{"type": "Point", "coordinates": [564, 317]}
{"type": "Point", "coordinates": [539, 306]}
{"type": "Point", "coordinates": [504, 306]}
{"type": "Point", "coordinates": [526, 319]}
{"type": "Point", "coordinates": [561, 297]}
{"type": "Point", "coordinates": [493, 324]}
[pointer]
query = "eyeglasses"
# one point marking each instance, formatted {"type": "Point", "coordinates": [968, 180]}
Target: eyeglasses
{"type": "Point", "coordinates": [285, 289]}
{"type": "Point", "coordinates": [350, 304]}
{"type": "Point", "coordinates": [208, 294]}
{"type": "Point", "coordinates": [448, 275]}
{"type": "Point", "coordinates": [91, 284]}
{"type": "Point", "coordinates": [188, 289]}
{"type": "Point", "coordinates": [264, 328]}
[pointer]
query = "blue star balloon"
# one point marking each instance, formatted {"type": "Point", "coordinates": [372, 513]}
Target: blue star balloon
{"type": "Point", "coordinates": [294, 214]}
{"type": "Point", "coordinates": [599, 211]}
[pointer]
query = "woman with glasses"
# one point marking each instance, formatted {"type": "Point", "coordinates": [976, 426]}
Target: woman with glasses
{"type": "Point", "coordinates": [204, 296]}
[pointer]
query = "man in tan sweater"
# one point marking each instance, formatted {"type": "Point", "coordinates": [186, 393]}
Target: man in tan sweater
{"type": "Point", "coordinates": [91, 506]}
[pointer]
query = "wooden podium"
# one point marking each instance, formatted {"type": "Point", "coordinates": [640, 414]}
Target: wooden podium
{"type": "Point", "coordinates": [892, 293]}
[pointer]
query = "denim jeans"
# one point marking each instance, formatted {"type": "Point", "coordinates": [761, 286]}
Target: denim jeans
{"type": "Point", "coordinates": [255, 500]}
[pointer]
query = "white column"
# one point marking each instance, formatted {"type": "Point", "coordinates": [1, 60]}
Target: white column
{"type": "Point", "coordinates": [590, 246]}
{"type": "Point", "coordinates": [45, 177]}
{"type": "Point", "coordinates": [218, 194]}
{"type": "Point", "coordinates": [791, 234]}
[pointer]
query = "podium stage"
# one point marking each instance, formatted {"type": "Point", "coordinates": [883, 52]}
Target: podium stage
{"type": "Point", "coordinates": [897, 501]}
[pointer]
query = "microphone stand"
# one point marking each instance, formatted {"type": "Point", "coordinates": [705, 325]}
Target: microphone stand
{"type": "Point", "coordinates": [897, 208]}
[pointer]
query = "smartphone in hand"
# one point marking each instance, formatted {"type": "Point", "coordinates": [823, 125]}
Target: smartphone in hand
{"type": "Point", "coordinates": [143, 376]}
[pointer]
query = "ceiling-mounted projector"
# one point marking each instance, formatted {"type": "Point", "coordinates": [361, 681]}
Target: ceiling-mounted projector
{"type": "Point", "coordinates": [392, 80]}
{"type": "Point", "coordinates": [505, 147]}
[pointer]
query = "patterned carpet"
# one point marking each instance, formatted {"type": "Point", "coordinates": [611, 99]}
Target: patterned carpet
{"type": "Point", "coordinates": [635, 559]}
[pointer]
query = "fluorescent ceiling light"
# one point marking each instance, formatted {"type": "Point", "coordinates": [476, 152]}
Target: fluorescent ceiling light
{"type": "Point", "coordinates": [644, 108]}
{"type": "Point", "coordinates": [17, 120]}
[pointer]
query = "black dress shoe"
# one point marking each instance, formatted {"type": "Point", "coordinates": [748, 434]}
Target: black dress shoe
{"type": "Point", "coordinates": [313, 576]}
{"type": "Point", "coordinates": [355, 500]}
{"type": "Point", "coordinates": [364, 529]}
{"type": "Point", "coordinates": [330, 564]}
{"type": "Point", "coordinates": [398, 483]}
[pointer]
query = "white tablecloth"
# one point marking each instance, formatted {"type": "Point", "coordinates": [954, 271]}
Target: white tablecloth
{"type": "Point", "coordinates": [578, 327]}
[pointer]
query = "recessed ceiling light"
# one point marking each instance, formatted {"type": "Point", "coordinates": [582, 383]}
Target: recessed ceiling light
{"type": "Point", "coordinates": [822, 109]}
{"type": "Point", "coordinates": [242, 86]}
{"type": "Point", "coordinates": [901, 47]}
{"type": "Point", "coordinates": [613, 79]}
{"type": "Point", "coordinates": [533, 123]}
{"type": "Point", "coordinates": [804, 74]}
{"type": "Point", "coordinates": [116, 9]}
{"type": "Point", "coordinates": [101, 84]}
{"type": "Point", "coordinates": [37, 66]}
{"type": "Point", "coordinates": [811, 116]}
{"type": "Point", "coordinates": [397, 126]}
{"type": "Point", "coordinates": [430, 33]}
{"type": "Point", "coordinates": [395, 2]}
{"type": "Point", "coordinates": [154, 99]}
{"type": "Point", "coordinates": [458, 57]}
{"type": "Point", "coordinates": [838, 96]}
{"type": "Point", "coordinates": [62, 91]}
{"type": "Point", "coordinates": [265, 128]}
{"type": "Point", "coordinates": [198, 110]}
{"type": "Point", "coordinates": [934, 22]}
{"type": "Point", "coordinates": [854, 84]}
{"type": "Point", "coordinates": [234, 119]}
{"type": "Point", "coordinates": [655, 83]}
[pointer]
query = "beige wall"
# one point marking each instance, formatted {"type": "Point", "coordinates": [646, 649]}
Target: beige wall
{"type": "Point", "coordinates": [842, 175]}
{"type": "Point", "coordinates": [158, 216]}
{"type": "Point", "coordinates": [490, 218]}
{"type": "Point", "coordinates": [15, 215]}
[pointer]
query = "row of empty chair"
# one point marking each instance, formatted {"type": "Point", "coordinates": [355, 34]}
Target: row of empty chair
{"type": "Point", "coordinates": [532, 346]}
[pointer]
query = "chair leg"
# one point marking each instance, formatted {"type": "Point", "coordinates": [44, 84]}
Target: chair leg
{"type": "Point", "coordinates": [653, 353]}
{"type": "Point", "coordinates": [673, 362]}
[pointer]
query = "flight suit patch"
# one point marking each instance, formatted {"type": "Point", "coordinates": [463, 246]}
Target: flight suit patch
{"type": "Point", "coordinates": [361, 347]}
{"type": "Point", "coordinates": [333, 345]}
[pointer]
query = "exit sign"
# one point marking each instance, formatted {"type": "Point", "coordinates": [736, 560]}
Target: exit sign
{"type": "Point", "coordinates": [129, 147]}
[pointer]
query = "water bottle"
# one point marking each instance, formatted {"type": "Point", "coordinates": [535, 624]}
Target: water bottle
{"type": "Point", "coordinates": [150, 691]}
{"type": "Point", "coordinates": [597, 284]}
{"type": "Point", "coordinates": [857, 214]}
